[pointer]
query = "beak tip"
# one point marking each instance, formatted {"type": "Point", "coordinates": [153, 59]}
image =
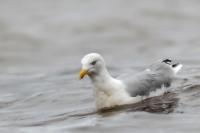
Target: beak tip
{"type": "Point", "coordinates": [82, 74]}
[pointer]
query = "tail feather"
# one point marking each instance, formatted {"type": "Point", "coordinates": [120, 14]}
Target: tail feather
{"type": "Point", "coordinates": [176, 67]}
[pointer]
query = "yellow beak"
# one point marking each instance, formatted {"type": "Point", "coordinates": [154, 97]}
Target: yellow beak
{"type": "Point", "coordinates": [82, 73]}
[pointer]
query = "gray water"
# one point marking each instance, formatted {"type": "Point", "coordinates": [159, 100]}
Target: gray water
{"type": "Point", "coordinates": [42, 43]}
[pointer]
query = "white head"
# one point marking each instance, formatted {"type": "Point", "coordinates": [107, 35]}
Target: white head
{"type": "Point", "coordinates": [92, 64]}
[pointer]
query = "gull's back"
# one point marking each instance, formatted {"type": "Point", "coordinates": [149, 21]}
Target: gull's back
{"type": "Point", "coordinates": [157, 75]}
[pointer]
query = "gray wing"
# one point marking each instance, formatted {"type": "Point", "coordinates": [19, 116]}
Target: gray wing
{"type": "Point", "coordinates": [143, 83]}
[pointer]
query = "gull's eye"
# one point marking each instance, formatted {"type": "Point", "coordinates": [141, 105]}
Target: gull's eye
{"type": "Point", "coordinates": [93, 63]}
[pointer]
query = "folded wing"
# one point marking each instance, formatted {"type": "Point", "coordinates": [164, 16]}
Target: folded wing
{"type": "Point", "coordinates": [157, 75]}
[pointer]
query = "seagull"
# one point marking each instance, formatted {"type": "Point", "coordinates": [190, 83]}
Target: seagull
{"type": "Point", "coordinates": [110, 92]}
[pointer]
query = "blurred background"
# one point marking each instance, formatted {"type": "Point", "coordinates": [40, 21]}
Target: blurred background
{"type": "Point", "coordinates": [43, 34]}
{"type": "Point", "coordinates": [42, 43]}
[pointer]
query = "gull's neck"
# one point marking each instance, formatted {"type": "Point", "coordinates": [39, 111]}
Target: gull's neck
{"type": "Point", "coordinates": [102, 79]}
{"type": "Point", "coordinates": [108, 90]}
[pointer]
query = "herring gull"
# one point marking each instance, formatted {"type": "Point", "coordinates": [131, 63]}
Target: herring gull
{"type": "Point", "coordinates": [110, 91]}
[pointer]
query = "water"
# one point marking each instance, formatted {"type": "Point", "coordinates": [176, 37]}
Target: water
{"type": "Point", "coordinates": [42, 43]}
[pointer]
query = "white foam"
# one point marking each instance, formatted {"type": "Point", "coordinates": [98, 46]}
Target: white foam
{"type": "Point", "coordinates": [155, 93]}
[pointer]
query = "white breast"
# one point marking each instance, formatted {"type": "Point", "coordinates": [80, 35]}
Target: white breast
{"type": "Point", "coordinates": [110, 94]}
